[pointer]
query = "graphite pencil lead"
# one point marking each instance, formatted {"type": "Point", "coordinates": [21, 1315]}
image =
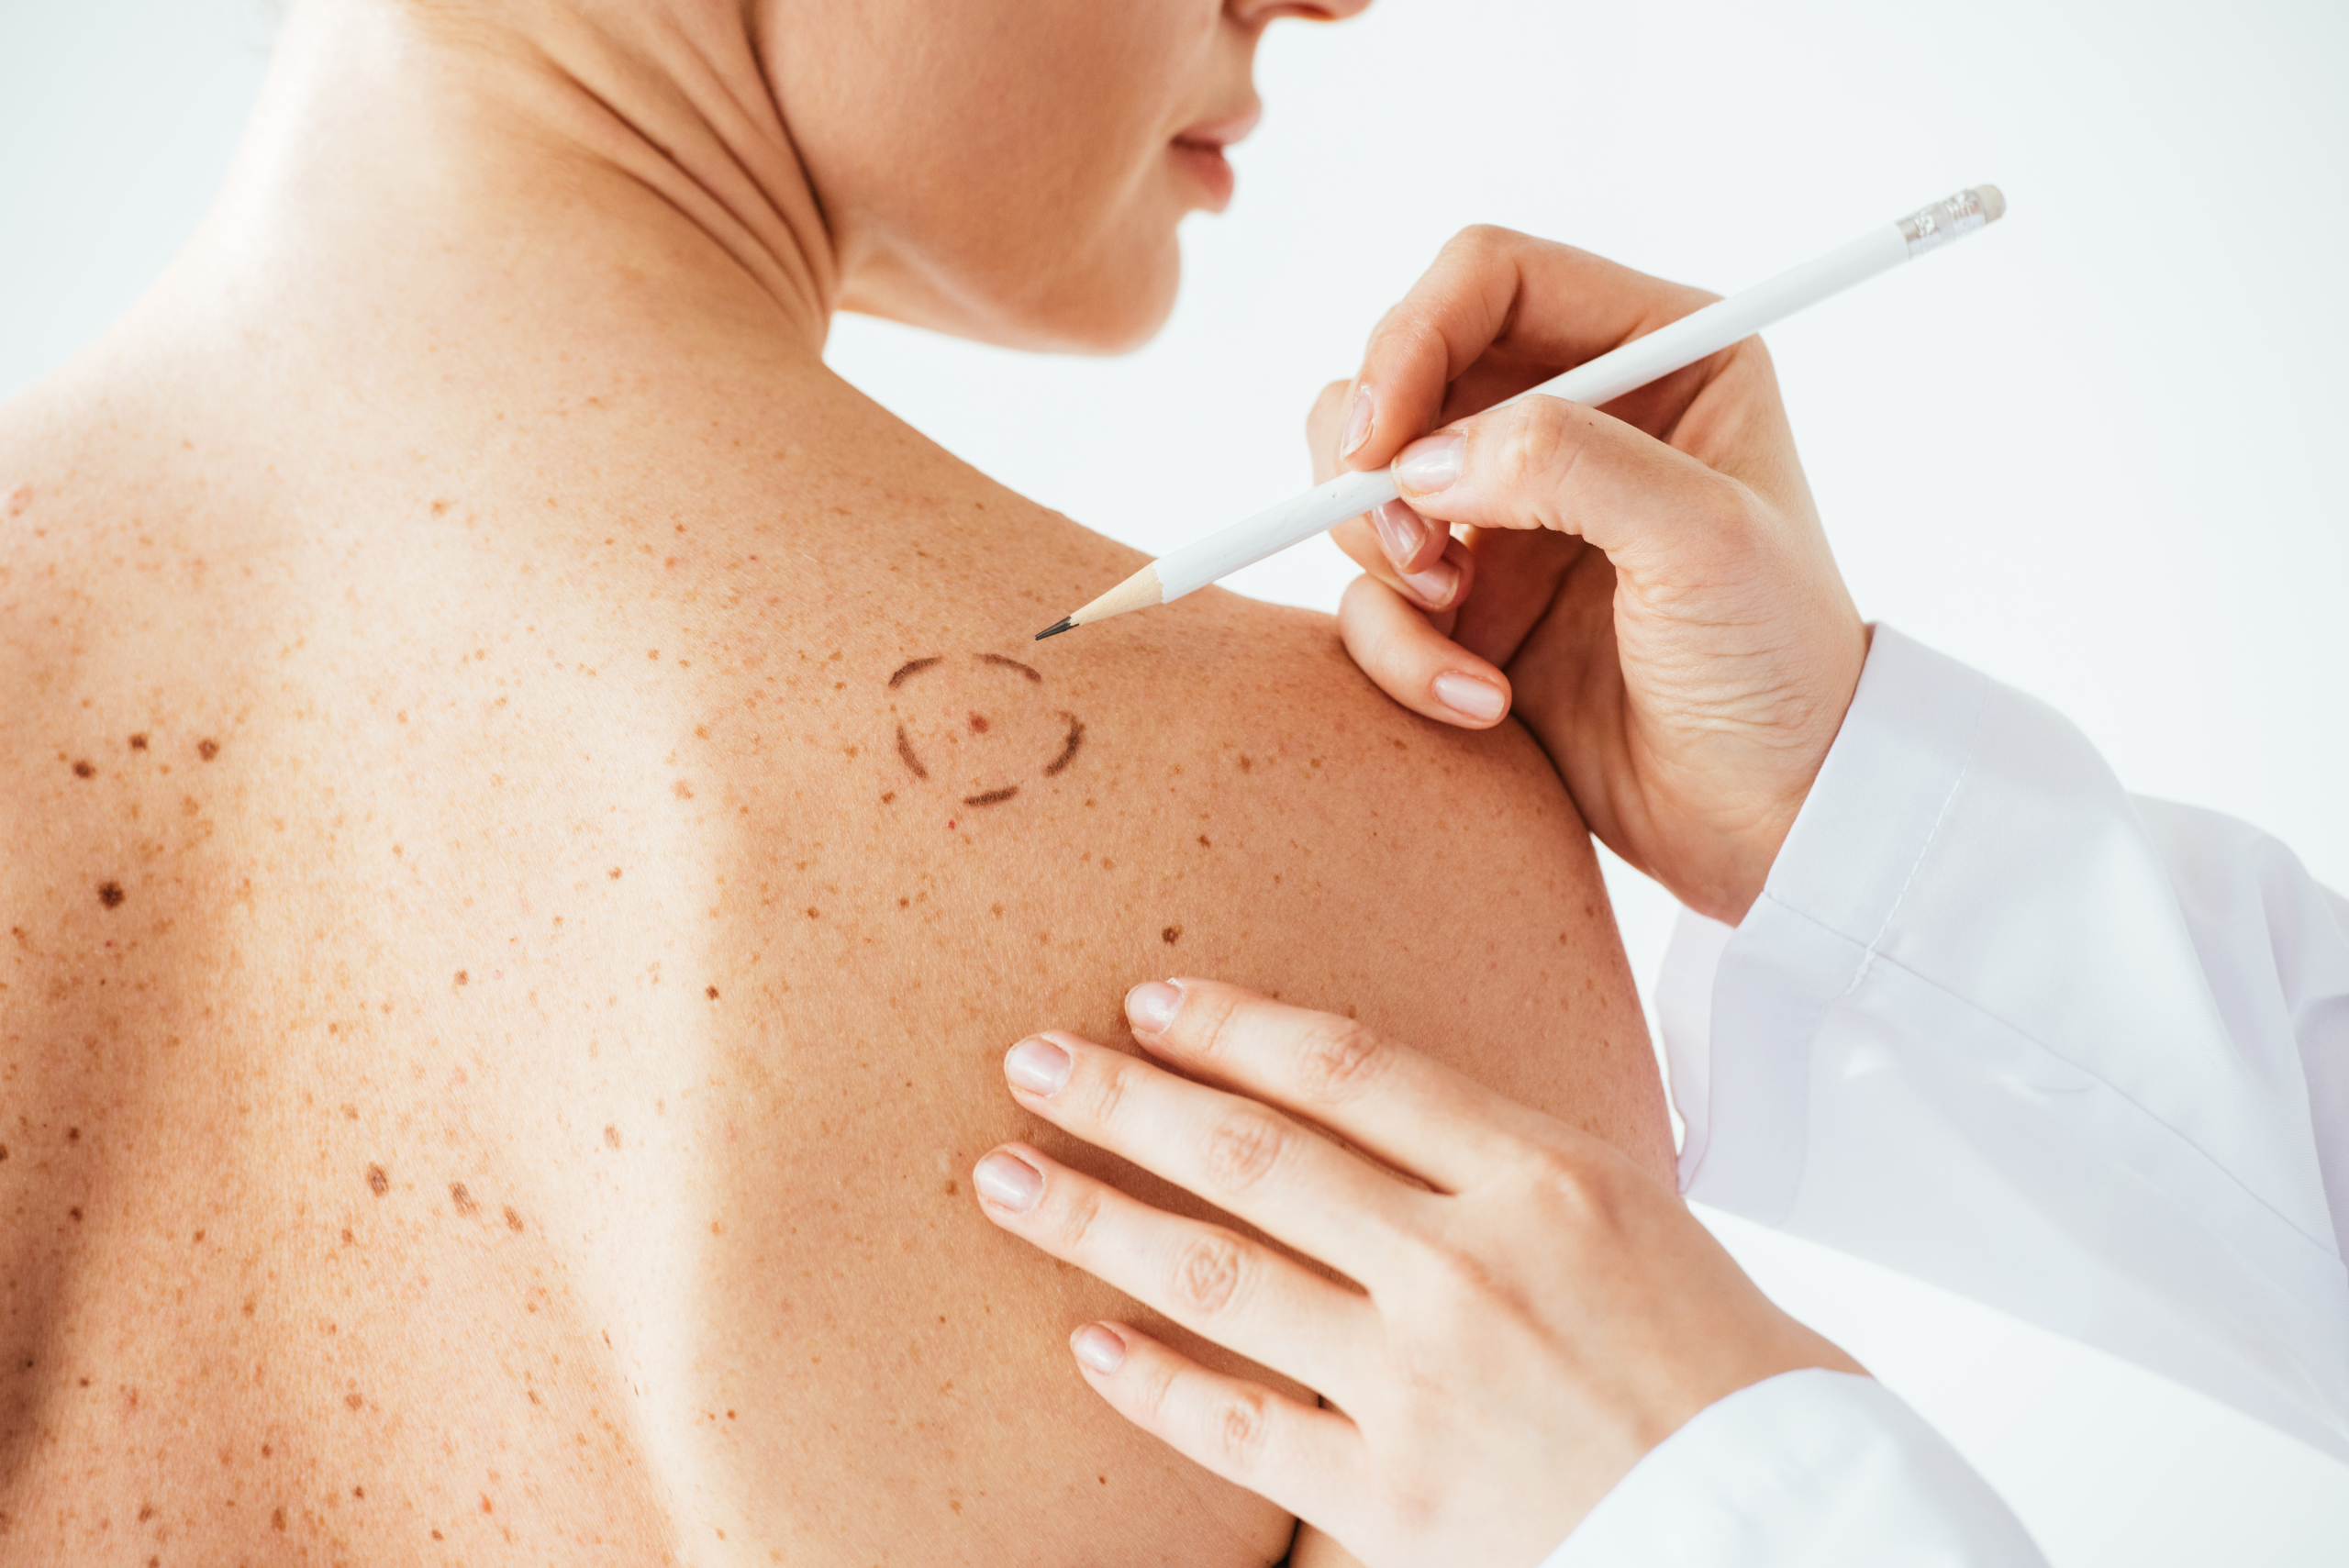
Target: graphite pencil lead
{"type": "Point", "coordinates": [1064, 624]}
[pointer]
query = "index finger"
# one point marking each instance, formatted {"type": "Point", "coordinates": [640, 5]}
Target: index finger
{"type": "Point", "coordinates": [1408, 1110]}
{"type": "Point", "coordinates": [1497, 313]}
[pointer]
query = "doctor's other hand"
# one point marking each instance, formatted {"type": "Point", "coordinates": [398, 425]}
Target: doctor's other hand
{"type": "Point", "coordinates": [1530, 1313]}
{"type": "Point", "coordinates": [1650, 579]}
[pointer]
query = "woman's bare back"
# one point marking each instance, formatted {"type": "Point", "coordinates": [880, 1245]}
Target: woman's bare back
{"type": "Point", "coordinates": [510, 945]}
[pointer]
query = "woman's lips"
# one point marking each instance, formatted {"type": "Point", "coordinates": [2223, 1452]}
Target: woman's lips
{"type": "Point", "coordinates": [1205, 162]}
{"type": "Point", "coordinates": [1200, 148]}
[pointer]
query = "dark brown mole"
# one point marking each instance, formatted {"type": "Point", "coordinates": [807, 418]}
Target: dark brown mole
{"type": "Point", "coordinates": [85, 769]}
{"type": "Point", "coordinates": [912, 667]}
{"type": "Point", "coordinates": [992, 797]}
{"type": "Point", "coordinates": [711, 992]}
{"type": "Point", "coordinates": [72, 1134]}
{"type": "Point", "coordinates": [461, 1198]}
{"type": "Point", "coordinates": [139, 741]}
{"type": "Point", "coordinates": [1171, 935]}
{"type": "Point", "coordinates": [1068, 747]}
{"type": "Point", "coordinates": [1010, 665]}
{"type": "Point", "coordinates": [110, 894]}
{"type": "Point", "coordinates": [978, 723]}
{"type": "Point", "coordinates": [905, 754]}
{"type": "Point", "coordinates": [378, 1183]}
{"type": "Point", "coordinates": [207, 750]}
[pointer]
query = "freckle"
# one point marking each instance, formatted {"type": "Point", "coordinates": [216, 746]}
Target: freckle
{"type": "Point", "coordinates": [146, 1512]}
{"type": "Point", "coordinates": [277, 1519]}
{"type": "Point", "coordinates": [1108, 864]}
{"type": "Point", "coordinates": [198, 1237]}
{"type": "Point", "coordinates": [436, 1535]}
{"type": "Point", "coordinates": [815, 914]}
{"type": "Point", "coordinates": [652, 653]}
{"type": "Point", "coordinates": [248, 1306]}
{"type": "Point", "coordinates": [716, 1227]}
{"type": "Point", "coordinates": [1171, 935]}
{"type": "Point", "coordinates": [355, 1401]}
{"type": "Point", "coordinates": [378, 1183]}
{"type": "Point", "coordinates": [72, 1134]}
{"type": "Point", "coordinates": [207, 750]}
{"type": "Point", "coordinates": [711, 993]}
{"type": "Point", "coordinates": [953, 1187]}
{"type": "Point", "coordinates": [902, 902]}
{"type": "Point", "coordinates": [612, 1136]}
{"type": "Point", "coordinates": [85, 769]}
{"type": "Point", "coordinates": [139, 743]}
{"type": "Point", "coordinates": [110, 894]}
{"type": "Point", "coordinates": [1247, 764]}
{"type": "Point", "coordinates": [681, 790]}
{"type": "Point", "coordinates": [359, 1492]}
{"type": "Point", "coordinates": [513, 1220]}
{"type": "Point", "coordinates": [888, 796]}
{"type": "Point", "coordinates": [614, 874]}
{"type": "Point", "coordinates": [978, 723]}
{"type": "Point", "coordinates": [461, 1198]}
{"type": "Point", "coordinates": [485, 1504]}
{"type": "Point", "coordinates": [1203, 843]}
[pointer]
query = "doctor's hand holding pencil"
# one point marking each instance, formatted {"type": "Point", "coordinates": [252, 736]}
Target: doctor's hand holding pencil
{"type": "Point", "coordinates": [1649, 582]}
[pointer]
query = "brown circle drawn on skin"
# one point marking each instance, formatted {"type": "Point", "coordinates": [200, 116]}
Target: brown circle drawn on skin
{"type": "Point", "coordinates": [1070, 728]}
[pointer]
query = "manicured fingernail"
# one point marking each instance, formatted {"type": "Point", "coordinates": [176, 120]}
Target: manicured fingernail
{"type": "Point", "coordinates": [1099, 1348]}
{"type": "Point", "coordinates": [1400, 531]}
{"type": "Point", "coordinates": [1465, 694]}
{"type": "Point", "coordinates": [1008, 1182]}
{"type": "Point", "coordinates": [1038, 1065]}
{"type": "Point", "coordinates": [1436, 584]}
{"type": "Point", "coordinates": [1358, 419]}
{"type": "Point", "coordinates": [1429, 465]}
{"type": "Point", "coordinates": [1153, 1007]}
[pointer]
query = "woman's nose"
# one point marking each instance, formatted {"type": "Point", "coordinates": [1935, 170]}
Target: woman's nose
{"type": "Point", "coordinates": [1258, 12]}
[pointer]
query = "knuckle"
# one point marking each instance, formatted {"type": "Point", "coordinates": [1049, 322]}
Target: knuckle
{"type": "Point", "coordinates": [1211, 1017]}
{"type": "Point", "coordinates": [1073, 1217]}
{"type": "Point", "coordinates": [1480, 240]}
{"type": "Point", "coordinates": [1240, 1426]}
{"type": "Point", "coordinates": [1241, 1147]}
{"type": "Point", "coordinates": [1338, 1059]}
{"type": "Point", "coordinates": [1206, 1275]}
{"type": "Point", "coordinates": [1106, 1088]}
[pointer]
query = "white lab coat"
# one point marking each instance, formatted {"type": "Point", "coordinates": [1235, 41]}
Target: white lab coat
{"type": "Point", "coordinates": [1995, 1023]}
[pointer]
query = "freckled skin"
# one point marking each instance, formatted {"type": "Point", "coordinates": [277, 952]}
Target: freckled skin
{"type": "Point", "coordinates": [653, 1192]}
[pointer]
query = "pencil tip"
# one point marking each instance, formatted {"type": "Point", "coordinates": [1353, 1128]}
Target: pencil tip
{"type": "Point", "coordinates": [1058, 626]}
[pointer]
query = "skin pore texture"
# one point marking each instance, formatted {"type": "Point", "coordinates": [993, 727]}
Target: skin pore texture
{"type": "Point", "coordinates": [533, 817]}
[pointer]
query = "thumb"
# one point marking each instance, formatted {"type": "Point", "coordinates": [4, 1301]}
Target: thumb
{"type": "Point", "coordinates": [1542, 462]}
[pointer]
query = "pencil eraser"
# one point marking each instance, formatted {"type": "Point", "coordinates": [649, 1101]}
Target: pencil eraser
{"type": "Point", "coordinates": [1994, 202]}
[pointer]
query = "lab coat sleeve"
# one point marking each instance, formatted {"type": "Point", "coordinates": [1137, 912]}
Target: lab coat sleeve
{"type": "Point", "coordinates": [2081, 1056]}
{"type": "Point", "coordinates": [1810, 1469]}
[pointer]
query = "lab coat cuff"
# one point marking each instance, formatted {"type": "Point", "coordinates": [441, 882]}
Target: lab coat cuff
{"type": "Point", "coordinates": [1816, 1468]}
{"type": "Point", "coordinates": [1870, 820]}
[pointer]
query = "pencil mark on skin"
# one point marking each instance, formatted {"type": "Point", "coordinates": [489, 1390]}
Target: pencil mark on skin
{"type": "Point", "coordinates": [913, 667]}
{"type": "Point", "coordinates": [992, 797]}
{"type": "Point", "coordinates": [906, 752]}
{"type": "Point", "coordinates": [1010, 665]}
{"type": "Point", "coordinates": [1068, 747]}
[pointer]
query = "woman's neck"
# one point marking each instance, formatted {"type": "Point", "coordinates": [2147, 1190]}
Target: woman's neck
{"type": "Point", "coordinates": [588, 155]}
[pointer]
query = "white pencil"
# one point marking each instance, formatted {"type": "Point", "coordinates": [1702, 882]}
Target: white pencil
{"type": "Point", "coordinates": [1610, 376]}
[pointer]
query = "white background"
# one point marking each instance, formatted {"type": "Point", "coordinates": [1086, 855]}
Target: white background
{"type": "Point", "coordinates": [2096, 451]}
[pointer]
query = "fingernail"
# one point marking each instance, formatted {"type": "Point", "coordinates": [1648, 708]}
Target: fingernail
{"type": "Point", "coordinates": [1465, 694]}
{"type": "Point", "coordinates": [1038, 1065]}
{"type": "Point", "coordinates": [1429, 465]}
{"type": "Point", "coordinates": [1008, 1182]}
{"type": "Point", "coordinates": [1099, 1348]}
{"type": "Point", "coordinates": [1152, 1006]}
{"type": "Point", "coordinates": [1400, 531]}
{"type": "Point", "coordinates": [1357, 423]}
{"type": "Point", "coordinates": [1435, 585]}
